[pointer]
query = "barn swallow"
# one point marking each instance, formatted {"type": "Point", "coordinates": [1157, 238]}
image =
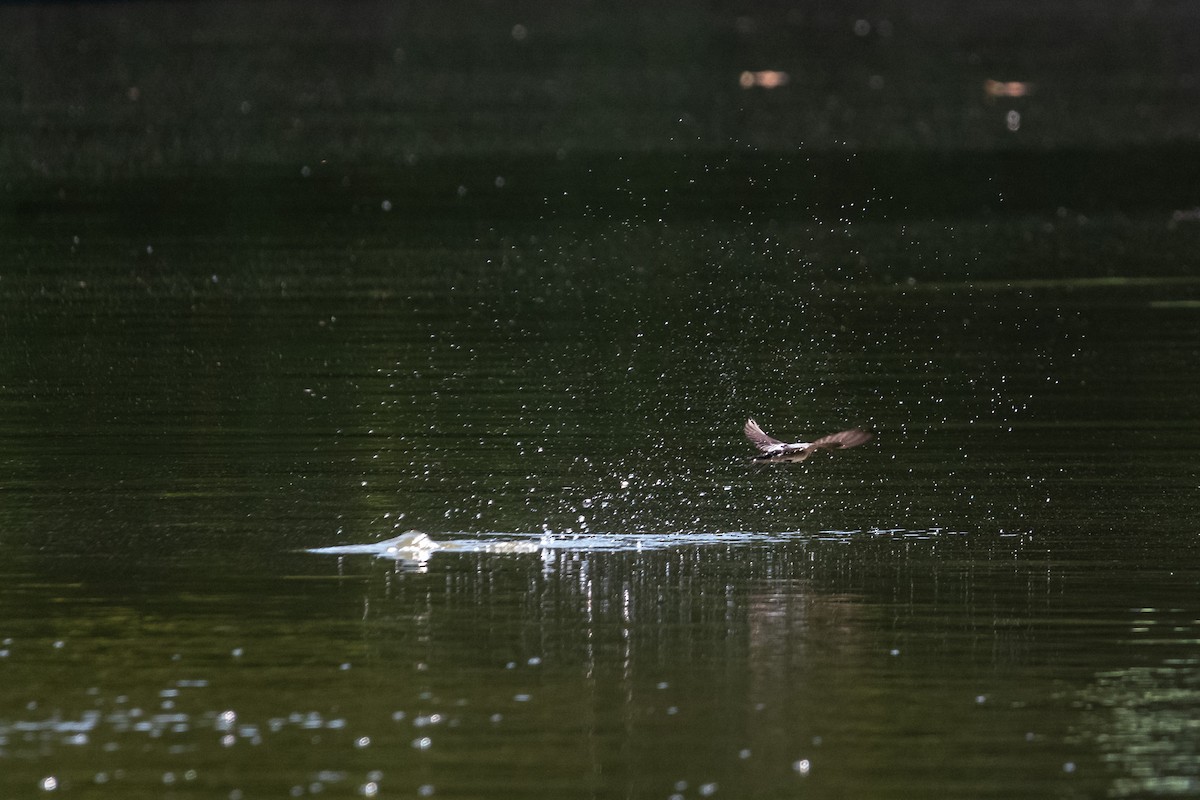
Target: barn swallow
{"type": "Point", "coordinates": [777, 452]}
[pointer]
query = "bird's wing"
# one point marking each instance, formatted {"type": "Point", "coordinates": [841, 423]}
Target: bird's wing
{"type": "Point", "coordinates": [758, 438]}
{"type": "Point", "coordinates": [842, 440]}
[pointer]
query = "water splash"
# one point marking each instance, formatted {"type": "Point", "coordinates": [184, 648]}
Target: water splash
{"type": "Point", "coordinates": [416, 546]}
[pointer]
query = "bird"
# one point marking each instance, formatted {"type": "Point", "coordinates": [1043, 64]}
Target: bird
{"type": "Point", "coordinates": [777, 452]}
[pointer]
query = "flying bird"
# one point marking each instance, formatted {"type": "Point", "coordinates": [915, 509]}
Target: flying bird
{"type": "Point", "coordinates": [777, 452]}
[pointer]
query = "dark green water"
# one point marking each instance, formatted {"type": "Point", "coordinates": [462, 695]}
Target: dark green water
{"type": "Point", "coordinates": [510, 311]}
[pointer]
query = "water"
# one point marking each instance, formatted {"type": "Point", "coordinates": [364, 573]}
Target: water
{"type": "Point", "coordinates": [237, 363]}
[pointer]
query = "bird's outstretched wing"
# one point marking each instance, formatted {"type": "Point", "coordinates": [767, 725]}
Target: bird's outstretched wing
{"type": "Point", "coordinates": [842, 440]}
{"type": "Point", "coordinates": [758, 438]}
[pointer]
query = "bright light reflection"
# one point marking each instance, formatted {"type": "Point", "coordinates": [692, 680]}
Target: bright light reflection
{"type": "Point", "coordinates": [765, 79]}
{"type": "Point", "coordinates": [1007, 88]}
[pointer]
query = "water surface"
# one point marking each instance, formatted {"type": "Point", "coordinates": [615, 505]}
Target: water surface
{"type": "Point", "coordinates": [225, 348]}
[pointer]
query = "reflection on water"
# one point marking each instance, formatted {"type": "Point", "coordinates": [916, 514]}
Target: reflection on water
{"type": "Point", "coordinates": [1144, 718]}
{"type": "Point", "coordinates": [627, 664]}
{"type": "Point", "coordinates": [1145, 725]}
